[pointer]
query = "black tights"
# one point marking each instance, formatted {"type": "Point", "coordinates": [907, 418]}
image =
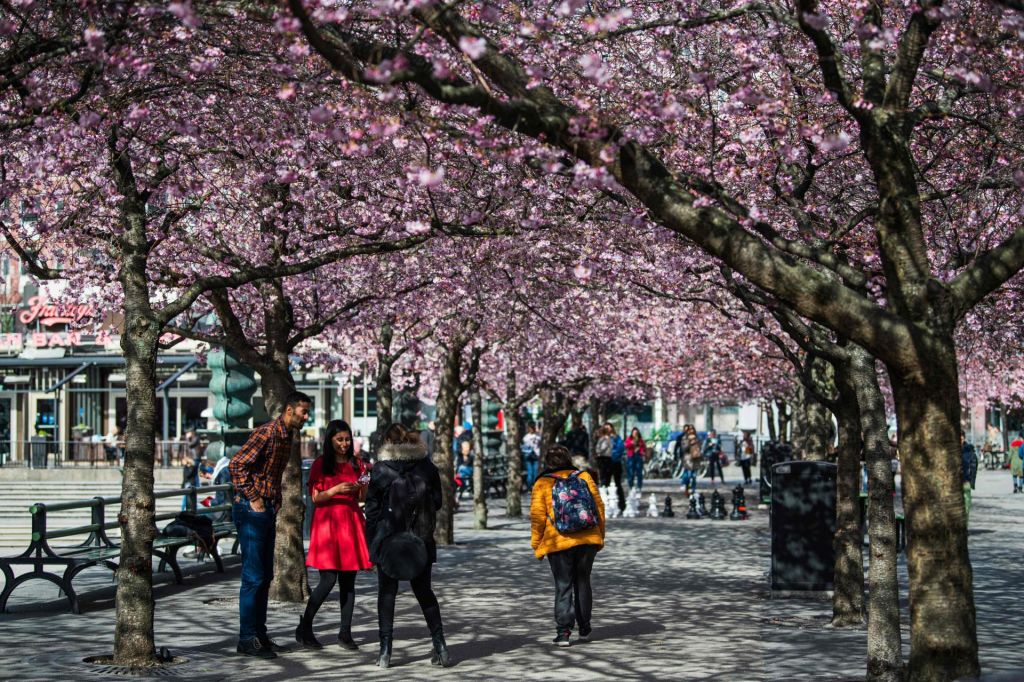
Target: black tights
{"type": "Point", "coordinates": [346, 597]}
{"type": "Point", "coordinates": [388, 590]}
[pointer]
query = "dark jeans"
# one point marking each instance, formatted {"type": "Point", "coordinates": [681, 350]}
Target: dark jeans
{"type": "Point", "coordinates": [256, 535]}
{"type": "Point", "coordinates": [617, 477]}
{"type": "Point", "coordinates": [715, 464]}
{"type": "Point", "coordinates": [387, 590]}
{"type": "Point", "coordinates": [346, 598]}
{"type": "Point", "coordinates": [604, 470]}
{"type": "Point", "coordinates": [573, 596]}
{"type": "Point", "coordinates": [635, 471]}
{"type": "Point", "coordinates": [745, 465]}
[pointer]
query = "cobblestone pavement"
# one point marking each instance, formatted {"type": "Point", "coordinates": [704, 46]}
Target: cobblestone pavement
{"type": "Point", "coordinates": [674, 600]}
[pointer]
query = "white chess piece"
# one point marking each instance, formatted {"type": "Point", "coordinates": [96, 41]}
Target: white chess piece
{"type": "Point", "coordinates": [652, 506]}
{"type": "Point", "coordinates": [632, 504]}
{"type": "Point", "coordinates": [611, 503]}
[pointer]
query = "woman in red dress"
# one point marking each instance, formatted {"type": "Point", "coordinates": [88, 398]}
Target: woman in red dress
{"type": "Point", "coordinates": [337, 538]}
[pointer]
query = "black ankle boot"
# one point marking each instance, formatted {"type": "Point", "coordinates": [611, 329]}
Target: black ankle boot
{"type": "Point", "coordinates": [304, 635]}
{"type": "Point", "coordinates": [346, 642]}
{"type": "Point", "coordinates": [440, 656]}
{"type": "Point", "coordinates": [384, 659]}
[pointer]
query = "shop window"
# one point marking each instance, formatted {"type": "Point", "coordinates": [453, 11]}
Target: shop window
{"type": "Point", "coordinates": [192, 413]}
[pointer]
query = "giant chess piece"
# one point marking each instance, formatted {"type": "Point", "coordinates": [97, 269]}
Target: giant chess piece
{"type": "Point", "coordinates": [702, 506]}
{"type": "Point", "coordinates": [693, 512]}
{"type": "Point", "coordinates": [632, 504]}
{"type": "Point", "coordinates": [652, 506]}
{"type": "Point", "coordinates": [668, 513]}
{"type": "Point", "coordinates": [610, 501]}
{"type": "Point", "coordinates": [739, 505]}
{"type": "Point", "coordinates": [717, 506]}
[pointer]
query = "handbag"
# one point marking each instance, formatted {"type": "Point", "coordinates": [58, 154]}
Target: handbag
{"type": "Point", "coordinates": [402, 555]}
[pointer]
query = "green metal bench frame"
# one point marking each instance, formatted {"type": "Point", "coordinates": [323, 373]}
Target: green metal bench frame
{"type": "Point", "coordinates": [98, 549]}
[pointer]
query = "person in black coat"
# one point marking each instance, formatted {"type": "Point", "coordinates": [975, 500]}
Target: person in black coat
{"type": "Point", "coordinates": [403, 455]}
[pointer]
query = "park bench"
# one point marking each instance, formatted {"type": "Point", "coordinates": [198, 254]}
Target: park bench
{"type": "Point", "coordinates": [98, 549]}
{"type": "Point", "coordinates": [495, 475]}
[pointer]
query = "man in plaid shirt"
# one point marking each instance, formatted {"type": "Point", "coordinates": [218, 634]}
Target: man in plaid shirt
{"type": "Point", "coordinates": [256, 476]}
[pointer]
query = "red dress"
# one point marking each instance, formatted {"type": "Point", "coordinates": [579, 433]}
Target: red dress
{"type": "Point", "coordinates": [337, 538]}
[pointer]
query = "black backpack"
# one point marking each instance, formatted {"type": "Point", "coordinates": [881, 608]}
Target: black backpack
{"type": "Point", "coordinates": [400, 552]}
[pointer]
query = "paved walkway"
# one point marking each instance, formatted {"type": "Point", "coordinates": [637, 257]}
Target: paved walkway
{"type": "Point", "coordinates": [675, 600]}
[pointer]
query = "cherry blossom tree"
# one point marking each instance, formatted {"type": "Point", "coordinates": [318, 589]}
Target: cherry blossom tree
{"type": "Point", "coordinates": [755, 178]}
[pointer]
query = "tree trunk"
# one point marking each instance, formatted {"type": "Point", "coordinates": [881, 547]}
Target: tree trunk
{"type": "Point", "coordinates": [783, 417]}
{"type": "Point", "coordinates": [812, 428]}
{"type": "Point", "coordinates": [885, 657]}
{"type": "Point", "coordinates": [133, 634]}
{"type": "Point", "coordinates": [290, 582]}
{"type": "Point", "coordinates": [848, 594]}
{"type": "Point", "coordinates": [384, 386]}
{"type": "Point", "coordinates": [773, 433]}
{"type": "Point", "coordinates": [513, 445]}
{"type": "Point", "coordinates": [943, 639]}
{"type": "Point", "coordinates": [596, 413]}
{"type": "Point", "coordinates": [444, 423]}
{"type": "Point", "coordinates": [479, 469]}
{"type": "Point", "coordinates": [554, 414]}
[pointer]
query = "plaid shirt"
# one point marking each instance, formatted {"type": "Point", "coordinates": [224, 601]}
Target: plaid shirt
{"type": "Point", "coordinates": [257, 468]}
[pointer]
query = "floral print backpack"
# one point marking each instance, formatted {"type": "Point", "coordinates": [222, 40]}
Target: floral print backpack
{"type": "Point", "coordinates": [572, 504]}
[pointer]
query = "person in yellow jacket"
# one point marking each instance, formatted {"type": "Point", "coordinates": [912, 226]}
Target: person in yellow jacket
{"type": "Point", "coordinates": [570, 555]}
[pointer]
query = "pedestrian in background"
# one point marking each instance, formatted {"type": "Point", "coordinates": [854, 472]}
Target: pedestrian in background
{"type": "Point", "coordinates": [636, 455]}
{"type": "Point", "coordinates": [603, 455]}
{"type": "Point", "coordinates": [577, 441]}
{"type": "Point", "coordinates": [746, 456]}
{"type": "Point", "coordinates": [712, 453]}
{"type": "Point", "coordinates": [570, 554]}
{"type": "Point", "coordinates": [337, 537]}
{"type": "Point", "coordinates": [969, 472]}
{"type": "Point", "coordinates": [531, 454]}
{"type": "Point", "coordinates": [1017, 469]}
{"type": "Point", "coordinates": [256, 473]}
{"type": "Point", "coordinates": [618, 457]}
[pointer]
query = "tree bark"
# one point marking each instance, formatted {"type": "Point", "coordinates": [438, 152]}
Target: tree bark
{"type": "Point", "coordinates": [885, 656]}
{"type": "Point", "coordinates": [384, 386]}
{"type": "Point", "coordinates": [943, 627]}
{"type": "Point", "coordinates": [783, 415]}
{"type": "Point", "coordinates": [290, 578]}
{"type": "Point", "coordinates": [848, 594]}
{"type": "Point", "coordinates": [444, 426]}
{"type": "Point", "coordinates": [513, 445]}
{"type": "Point", "coordinates": [812, 428]}
{"type": "Point", "coordinates": [773, 432]}
{"type": "Point", "coordinates": [555, 413]}
{"type": "Point", "coordinates": [479, 469]}
{"type": "Point", "coordinates": [133, 634]}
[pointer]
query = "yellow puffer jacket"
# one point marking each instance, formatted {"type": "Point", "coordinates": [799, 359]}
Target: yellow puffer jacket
{"type": "Point", "coordinates": [544, 537]}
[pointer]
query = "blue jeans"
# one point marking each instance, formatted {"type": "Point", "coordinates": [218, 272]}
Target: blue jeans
{"type": "Point", "coordinates": [256, 535]}
{"type": "Point", "coordinates": [531, 470]}
{"type": "Point", "coordinates": [635, 471]}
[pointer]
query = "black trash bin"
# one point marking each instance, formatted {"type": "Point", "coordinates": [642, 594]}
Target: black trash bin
{"type": "Point", "coordinates": [772, 452]}
{"type": "Point", "coordinates": [803, 526]}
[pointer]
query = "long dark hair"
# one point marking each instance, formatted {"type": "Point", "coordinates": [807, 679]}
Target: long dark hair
{"type": "Point", "coordinates": [330, 457]}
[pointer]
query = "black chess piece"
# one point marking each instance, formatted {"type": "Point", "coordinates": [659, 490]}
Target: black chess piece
{"type": "Point", "coordinates": [668, 507]}
{"type": "Point", "coordinates": [717, 506]}
{"type": "Point", "coordinates": [693, 512]}
{"type": "Point", "coordinates": [702, 505]}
